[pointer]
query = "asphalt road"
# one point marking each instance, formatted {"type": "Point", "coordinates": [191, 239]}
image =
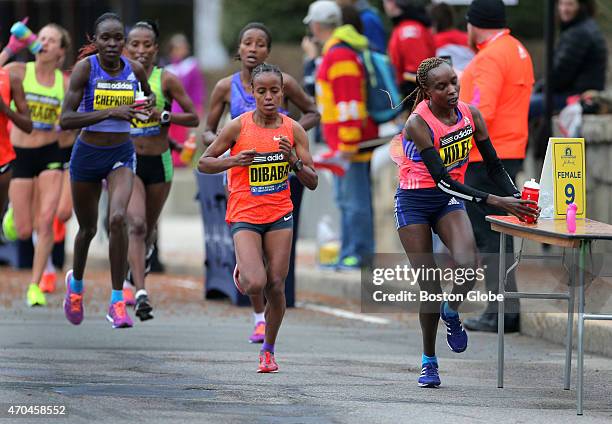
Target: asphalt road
{"type": "Point", "coordinates": [192, 363]}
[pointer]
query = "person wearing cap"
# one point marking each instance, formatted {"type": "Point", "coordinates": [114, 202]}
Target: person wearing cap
{"type": "Point", "coordinates": [410, 43]}
{"type": "Point", "coordinates": [498, 81]}
{"type": "Point", "coordinates": [341, 88]}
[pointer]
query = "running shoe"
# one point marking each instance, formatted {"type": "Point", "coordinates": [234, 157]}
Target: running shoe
{"type": "Point", "coordinates": [429, 375]}
{"type": "Point", "coordinates": [35, 296]}
{"type": "Point", "coordinates": [47, 282]}
{"type": "Point", "coordinates": [73, 302]}
{"type": "Point", "coordinates": [350, 263]}
{"type": "Point", "coordinates": [8, 225]}
{"type": "Point", "coordinates": [266, 362]}
{"type": "Point", "coordinates": [128, 296]}
{"type": "Point", "coordinates": [117, 314]}
{"type": "Point", "coordinates": [143, 308]}
{"type": "Point", "coordinates": [456, 337]}
{"type": "Point", "coordinates": [258, 333]}
{"type": "Point", "coordinates": [237, 280]}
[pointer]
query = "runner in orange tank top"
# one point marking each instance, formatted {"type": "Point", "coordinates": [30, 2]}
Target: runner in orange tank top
{"type": "Point", "coordinates": [436, 144]}
{"type": "Point", "coordinates": [264, 147]}
{"type": "Point", "coordinates": [10, 89]}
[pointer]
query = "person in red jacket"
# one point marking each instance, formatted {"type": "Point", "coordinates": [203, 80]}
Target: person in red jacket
{"type": "Point", "coordinates": [410, 43]}
{"type": "Point", "coordinates": [448, 40]}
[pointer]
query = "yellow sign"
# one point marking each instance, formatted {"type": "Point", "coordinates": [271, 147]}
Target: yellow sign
{"type": "Point", "coordinates": [568, 175]}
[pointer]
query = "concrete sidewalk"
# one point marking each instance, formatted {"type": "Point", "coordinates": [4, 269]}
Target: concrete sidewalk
{"type": "Point", "coordinates": [182, 251]}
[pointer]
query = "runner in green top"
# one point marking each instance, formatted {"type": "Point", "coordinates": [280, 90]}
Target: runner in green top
{"type": "Point", "coordinates": [153, 161]}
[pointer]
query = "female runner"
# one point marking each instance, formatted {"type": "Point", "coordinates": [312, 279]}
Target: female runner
{"type": "Point", "coordinates": [153, 158]}
{"type": "Point", "coordinates": [259, 209]}
{"type": "Point", "coordinates": [102, 88]}
{"type": "Point", "coordinates": [435, 145]}
{"type": "Point", "coordinates": [255, 43]}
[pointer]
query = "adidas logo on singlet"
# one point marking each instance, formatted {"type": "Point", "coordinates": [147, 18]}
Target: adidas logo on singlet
{"type": "Point", "coordinates": [453, 201]}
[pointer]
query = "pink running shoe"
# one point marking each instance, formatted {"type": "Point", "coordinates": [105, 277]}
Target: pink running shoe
{"type": "Point", "coordinates": [119, 316]}
{"type": "Point", "coordinates": [259, 333]}
{"type": "Point", "coordinates": [237, 280]}
{"type": "Point", "coordinates": [128, 296]}
{"type": "Point", "coordinates": [73, 302]}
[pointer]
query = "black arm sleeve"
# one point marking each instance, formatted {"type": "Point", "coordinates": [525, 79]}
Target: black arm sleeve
{"type": "Point", "coordinates": [495, 168]}
{"type": "Point", "coordinates": [433, 162]}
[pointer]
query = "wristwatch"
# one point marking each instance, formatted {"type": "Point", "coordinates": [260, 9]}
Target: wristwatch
{"type": "Point", "coordinates": [164, 118]}
{"type": "Point", "coordinates": [298, 165]}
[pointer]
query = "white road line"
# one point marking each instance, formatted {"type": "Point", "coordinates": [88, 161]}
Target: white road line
{"type": "Point", "coordinates": [343, 313]}
{"type": "Point", "coordinates": [188, 284]}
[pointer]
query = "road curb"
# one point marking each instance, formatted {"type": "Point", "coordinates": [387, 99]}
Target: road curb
{"type": "Point", "coordinates": [552, 327]}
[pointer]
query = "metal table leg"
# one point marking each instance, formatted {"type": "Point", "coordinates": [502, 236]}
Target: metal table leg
{"type": "Point", "coordinates": [580, 365]}
{"type": "Point", "coordinates": [570, 323]}
{"type": "Point", "coordinates": [500, 311]}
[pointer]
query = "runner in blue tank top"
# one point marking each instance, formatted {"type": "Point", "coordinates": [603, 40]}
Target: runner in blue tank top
{"type": "Point", "coordinates": [102, 87]}
{"type": "Point", "coordinates": [234, 91]}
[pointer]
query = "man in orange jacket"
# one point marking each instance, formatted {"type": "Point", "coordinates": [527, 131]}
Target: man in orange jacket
{"type": "Point", "coordinates": [498, 81]}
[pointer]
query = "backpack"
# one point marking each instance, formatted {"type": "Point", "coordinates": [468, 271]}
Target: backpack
{"type": "Point", "coordinates": [380, 80]}
{"type": "Point", "coordinates": [382, 91]}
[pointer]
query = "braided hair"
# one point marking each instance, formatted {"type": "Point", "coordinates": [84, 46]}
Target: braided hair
{"type": "Point", "coordinates": [421, 79]}
{"type": "Point", "coordinates": [265, 68]}
{"type": "Point", "coordinates": [90, 48]}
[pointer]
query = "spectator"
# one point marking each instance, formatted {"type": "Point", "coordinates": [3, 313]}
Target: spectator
{"type": "Point", "coordinates": [410, 43]}
{"type": "Point", "coordinates": [188, 71]}
{"type": "Point", "coordinates": [449, 41]}
{"type": "Point", "coordinates": [371, 24]}
{"type": "Point", "coordinates": [579, 64]}
{"type": "Point", "coordinates": [312, 51]}
{"type": "Point", "coordinates": [498, 81]}
{"type": "Point", "coordinates": [340, 90]}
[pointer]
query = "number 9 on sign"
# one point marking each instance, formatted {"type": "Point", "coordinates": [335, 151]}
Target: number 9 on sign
{"type": "Point", "coordinates": [570, 194]}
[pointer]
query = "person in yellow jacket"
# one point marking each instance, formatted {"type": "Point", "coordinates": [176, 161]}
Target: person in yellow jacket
{"type": "Point", "coordinates": [341, 91]}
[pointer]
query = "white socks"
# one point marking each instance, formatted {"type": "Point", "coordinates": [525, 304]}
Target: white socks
{"type": "Point", "coordinates": [258, 317]}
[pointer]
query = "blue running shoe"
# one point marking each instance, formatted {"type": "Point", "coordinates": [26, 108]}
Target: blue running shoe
{"type": "Point", "coordinates": [456, 337]}
{"type": "Point", "coordinates": [429, 375]}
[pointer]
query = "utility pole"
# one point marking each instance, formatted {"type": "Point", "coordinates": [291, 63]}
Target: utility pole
{"type": "Point", "coordinates": [208, 48]}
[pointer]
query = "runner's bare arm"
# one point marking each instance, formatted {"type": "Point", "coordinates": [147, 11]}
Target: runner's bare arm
{"type": "Point", "coordinates": [20, 117]}
{"type": "Point", "coordinates": [211, 163]}
{"type": "Point", "coordinates": [174, 90]}
{"type": "Point", "coordinates": [71, 119]}
{"type": "Point", "coordinates": [310, 115]}
{"type": "Point", "coordinates": [215, 110]}
{"type": "Point", "coordinates": [307, 175]}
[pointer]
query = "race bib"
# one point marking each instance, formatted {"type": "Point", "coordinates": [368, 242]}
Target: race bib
{"type": "Point", "coordinates": [268, 173]}
{"type": "Point", "coordinates": [455, 147]}
{"type": "Point", "coordinates": [112, 94]}
{"type": "Point", "coordinates": [147, 128]}
{"type": "Point", "coordinates": [44, 111]}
